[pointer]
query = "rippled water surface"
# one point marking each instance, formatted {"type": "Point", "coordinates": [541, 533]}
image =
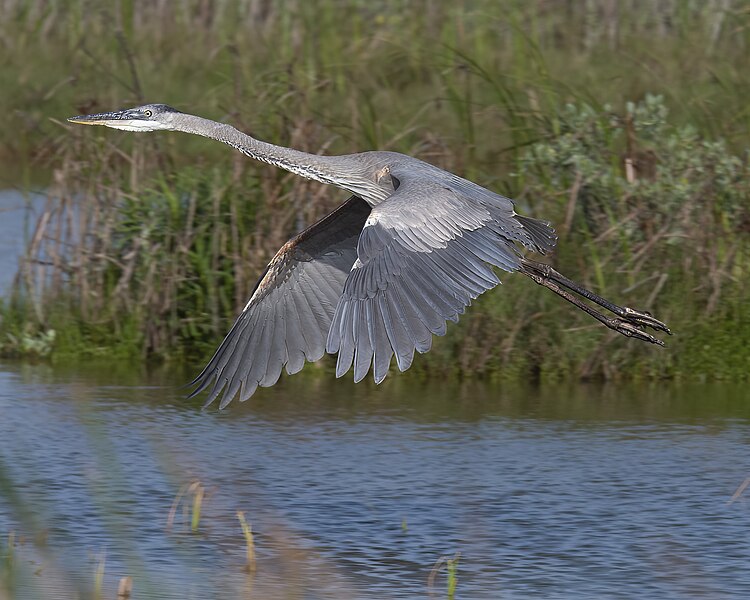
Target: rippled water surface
{"type": "Point", "coordinates": [357, 491]}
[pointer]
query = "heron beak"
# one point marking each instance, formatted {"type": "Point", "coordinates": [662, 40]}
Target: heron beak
{"type": "Point", "coordinates": [98, 119]}
{"type": "Point", "coordinates": [131, 119]}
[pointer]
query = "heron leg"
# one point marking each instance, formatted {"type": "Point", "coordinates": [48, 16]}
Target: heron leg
{"type": "Point", "coordinates": [628, 322]}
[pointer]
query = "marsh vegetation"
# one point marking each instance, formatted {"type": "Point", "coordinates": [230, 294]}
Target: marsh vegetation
{"type": "Point", "coordinates": [624, 123]}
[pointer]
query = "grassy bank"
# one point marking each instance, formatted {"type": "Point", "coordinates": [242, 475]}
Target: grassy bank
{"type": "Point", "coordinates": [149, 245]}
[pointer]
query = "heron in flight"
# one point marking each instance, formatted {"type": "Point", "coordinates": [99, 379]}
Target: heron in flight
{"type": "Point", "coordinates": [378, 276]}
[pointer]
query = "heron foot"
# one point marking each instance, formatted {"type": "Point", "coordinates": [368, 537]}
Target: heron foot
{"type": "Point", "coordinates": [643, 319]}
{"type": "Point", "coordinates": [628, 321]}
{"type": "Point", "coordinates": [631, 328]}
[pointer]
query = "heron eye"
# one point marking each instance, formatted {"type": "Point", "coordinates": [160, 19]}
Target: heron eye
{"type": "Point", "coordinates": [147, 112]}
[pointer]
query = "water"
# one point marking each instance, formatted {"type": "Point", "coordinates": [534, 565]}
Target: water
{"type": "Point", "coordinates": [18, 214]}
{"type": "Point", "coordinates": [357, 491]}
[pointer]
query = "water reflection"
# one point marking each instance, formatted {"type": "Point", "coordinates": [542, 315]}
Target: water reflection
{"type": "Point", "coordinates": [18, 214]}
{"type": "Point", "coordinates": [356, 491]}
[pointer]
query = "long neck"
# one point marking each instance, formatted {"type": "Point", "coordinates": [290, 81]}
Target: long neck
{"type": "Point", "coordinates": [341, 171]}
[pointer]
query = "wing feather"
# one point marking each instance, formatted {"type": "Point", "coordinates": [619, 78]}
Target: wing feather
{"type": "Point", "coordinates": [287, 318]}
{"type": "Point", "coordinates": [423, 255]}
{"type": "Point", "coordinates": [373, 283]}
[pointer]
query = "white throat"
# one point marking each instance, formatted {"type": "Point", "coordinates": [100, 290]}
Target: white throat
{"type": "Point", "coordinates": [136, 125]}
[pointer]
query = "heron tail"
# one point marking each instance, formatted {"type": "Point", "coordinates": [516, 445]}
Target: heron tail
{"type": "Point", "coordinates": [542, 236]}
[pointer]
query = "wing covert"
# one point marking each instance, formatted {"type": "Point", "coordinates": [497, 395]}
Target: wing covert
{"type": "Point", "coordinates": [423, 255]}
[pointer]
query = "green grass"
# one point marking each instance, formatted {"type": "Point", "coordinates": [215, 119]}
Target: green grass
{"type": "Point", "coordinates": [553, 106]}
{"type": "Point", "coordinates": [462, 83]}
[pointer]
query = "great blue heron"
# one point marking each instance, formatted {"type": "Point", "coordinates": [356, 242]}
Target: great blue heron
{"type": "Point", "coordinates": [378, 276]}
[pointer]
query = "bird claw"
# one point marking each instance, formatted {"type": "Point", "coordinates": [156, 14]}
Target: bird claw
{"type": "Point", "coordinates": [643, 319]}
{"type": "Point", "coordinates": [631, 322]}
{"type": "Point", "coordinates": [631, 329]}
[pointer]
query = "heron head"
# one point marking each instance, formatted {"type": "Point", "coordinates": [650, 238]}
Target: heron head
{"type": "Point", "coordinates": [149, 117]}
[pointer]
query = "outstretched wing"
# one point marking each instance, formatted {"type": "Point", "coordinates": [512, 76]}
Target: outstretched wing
{"type": "Point", "coordinates": [423, 255]}
{"type": "Point", "coordinates": [288, 316]}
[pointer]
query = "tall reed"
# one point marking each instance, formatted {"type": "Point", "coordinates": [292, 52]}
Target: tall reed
{"type": "Point", "coordinates": [149, 245]}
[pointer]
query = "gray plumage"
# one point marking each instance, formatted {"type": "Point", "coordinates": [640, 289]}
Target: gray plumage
{"type": "Point", "coordinates": [381, 274]}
